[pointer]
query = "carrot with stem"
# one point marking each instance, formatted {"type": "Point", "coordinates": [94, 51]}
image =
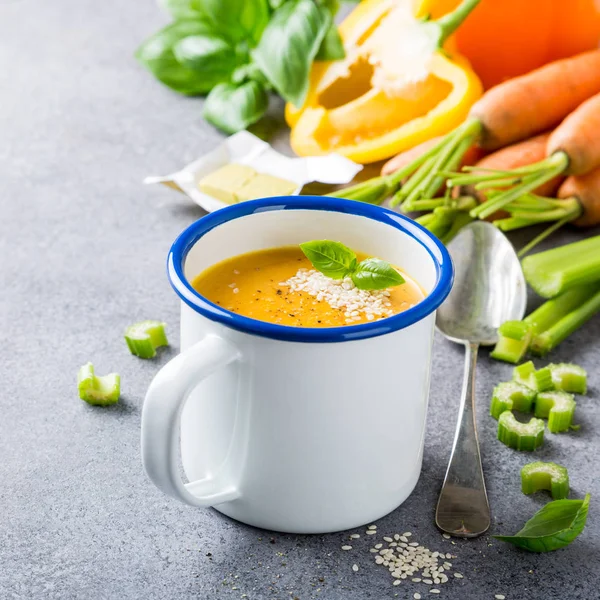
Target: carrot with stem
{"type": "Point", "coordinates": [512, 111]}
{"type": "Point", "coordinates": [573, 148]}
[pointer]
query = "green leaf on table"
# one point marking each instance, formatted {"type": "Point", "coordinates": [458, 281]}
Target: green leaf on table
{"type": "Point", "coordinates": [233, 107]}
{"type": "Point", "coordinates": [375, 274]}
{"type": "Point", "coordinates": [554, 526]}
{"type": "Point", "coordinates": [289, 45]}
{"type": "Point", "coordinates": [208, 54]}
{"type": "Point", "coordinates": [332, 47]}
{"type": "Point", "coordinates": [333, 259]}
{"type": "Point", "coordinates": [238, 19]}
{"type": "Point", "coordinates": [182, 9]}
{"type": "Point", "coordinates": [157, 55]}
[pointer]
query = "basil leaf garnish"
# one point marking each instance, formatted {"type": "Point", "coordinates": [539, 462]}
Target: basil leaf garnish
{"type": "Point", "coordinates": [554, 526]}
{"type": "Point", "coordinates": [289, 45]}
{"type": "Point", "coordinates": [375, 274]}
{"type": "Point", "coordinates": [232, 107]}
{"type": "Point", "coordinates": [157, 55]}
{"type": "Point", "coordinates": [330, 258]}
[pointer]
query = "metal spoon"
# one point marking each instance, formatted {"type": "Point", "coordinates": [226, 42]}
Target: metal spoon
{"type": "Point", "coordinates": [489, 288]}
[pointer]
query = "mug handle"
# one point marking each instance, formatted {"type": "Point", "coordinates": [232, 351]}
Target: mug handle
{"type": "Point", "coordinates": [161, 417]}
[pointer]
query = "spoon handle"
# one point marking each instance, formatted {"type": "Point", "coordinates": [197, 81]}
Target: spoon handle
{"type": "Point", "coordinates": [463, 508]}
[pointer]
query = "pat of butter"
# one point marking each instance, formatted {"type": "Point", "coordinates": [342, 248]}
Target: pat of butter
{"type": "Point", "coordinates": [224, 183]}
{"type": "Point", "coordinates": [264, 186]}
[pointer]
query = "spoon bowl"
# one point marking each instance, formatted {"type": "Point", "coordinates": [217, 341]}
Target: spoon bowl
{"type": "Point", "coordinates": [489, 288]}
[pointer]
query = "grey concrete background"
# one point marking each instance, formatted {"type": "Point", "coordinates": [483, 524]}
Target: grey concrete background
{"type": "Point", "coordinates": [83, 248]}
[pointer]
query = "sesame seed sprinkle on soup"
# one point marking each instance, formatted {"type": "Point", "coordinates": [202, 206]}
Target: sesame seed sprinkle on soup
{"type": "Point", "coordinates": [280, 286]}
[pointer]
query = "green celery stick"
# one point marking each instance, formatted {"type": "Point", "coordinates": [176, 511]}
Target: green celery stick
{"type": "Point", "coordinates": [510, 395]}
{"type": "Point", "coordinates": [545, 476]}
{"type": "Point", "coordinates": [100, 391]}
{"type": "Point", "coordinates": [558, 408]}
{"type": "Point", "coordinates": [569, 378]}
{"type": "Point", "coordinates": [143, 338]}
{"type": "Point", "coordinates": [520, 436]}
{"type": "Point", "coordinates": [554, 271]}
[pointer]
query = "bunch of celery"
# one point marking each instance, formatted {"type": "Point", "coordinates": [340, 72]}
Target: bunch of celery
{"type": "Point", "coordinates": [570, 277]}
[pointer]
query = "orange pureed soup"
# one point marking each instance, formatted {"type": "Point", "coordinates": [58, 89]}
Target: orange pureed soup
{"type": "Point", "coordinates": [280, 286]}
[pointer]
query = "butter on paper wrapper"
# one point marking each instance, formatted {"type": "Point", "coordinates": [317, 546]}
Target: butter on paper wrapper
{"type": "Point", "coordinates": [247, 149]}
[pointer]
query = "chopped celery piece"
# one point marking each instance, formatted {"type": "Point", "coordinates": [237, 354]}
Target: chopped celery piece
{"type": "Point", "coordinates": [543, 380]}
{"type": "Point", "coordinates": [520, 436]}
{"type": "Point", "coordinates": [554, 271]}
{"type": "Point", "coordinates": [513, 342]}
{"type": "Point", "coordinates": [545, 476]}
{"type": "Point", "coordinates": [558, 408]}
{"type": "Point", "coordinates": [569, 378]}
{"type": "Point", "coordinates": [145, 337]}
{"type": "Point", "coordinates": [100, 391]}
{"type": "Point", "coordinates": [525, 374]}
{"type": "Point", "coordinates": [511, 395]}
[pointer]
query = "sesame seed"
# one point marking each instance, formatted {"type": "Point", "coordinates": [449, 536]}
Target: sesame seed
{"type": "Point", "coordinates": [372, 527]}
{"type": "Point", "coordinates": [445, 536]}
{"type": "Point", "coordinates": [417, 596]}
{"type": "Point", "coordinates": [413, 543]}
{"type": "Point", "coordinates": [434, 591]}
{"type": "Point", "coordinates": [448, 555]}
{"type": "Point", "coordinates": [407, 534]}
{"type": "Point", "coordinates": [458, 575]}
{"type": "Point", "coordinates": [374, 550]}
{"type": "Point", "coordinates": [416, 579]}
{"type": "Point", "coordinates": [403, 538]}
{"type": "Point", "coordinates": [355, 536]}
{"type": "Point", "coordinates": [378, 546]}
{"type": "Point", "coordinates": [428, 581]}
{"type": "Point", "coordinates": [355, 568]}
{"type": "Point", "coordinates": [346, 547]}
{"type": "Point", "coordinates": [397, 582]}
{"type": "Point", "coordinates": [371, 532]}
{"type": "Point", "coordinates": [499, 597]}
{"type": "Point", "coordinates": [396, 536]}
{"type": "Point", "coordinates": [388, 539]}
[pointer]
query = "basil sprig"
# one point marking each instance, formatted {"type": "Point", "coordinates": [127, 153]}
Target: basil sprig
{"type": "Point", "coordinates": [337, 261]}
{"type": "Point", "coordinates": [236, 51]}
{"type": "Point", "coordinates": [554, 526]}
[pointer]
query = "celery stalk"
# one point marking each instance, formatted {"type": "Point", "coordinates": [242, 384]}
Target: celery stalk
{"type": "Point", "coordinates": [558, 408]}
{"type": "Point", "coordinates": [563, 328]}
{"type": "Point", "coordinates": [143, 338]}
{"type": "Point", "coordinates": [520, 436]}
{"type": "Point", "coordinates": [510, 395]}
{"type": "Point", "coordinates": [545, 476]}
{"type": "Point", "coordinates": [569, 378]}
{"type": "Point", "coordinates": [550, 324]}
{"type": "Point", "coordinates": [96, 390]}
{"type": "Point", "coordinates": [554, 271]}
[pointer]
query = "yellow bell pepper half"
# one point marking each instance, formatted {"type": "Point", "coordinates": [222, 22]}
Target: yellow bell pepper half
{"type": "Point", "coordinates": [352, 111]}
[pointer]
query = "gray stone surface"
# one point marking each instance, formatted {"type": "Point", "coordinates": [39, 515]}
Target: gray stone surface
{"type": "Point", "coordinates": [83, 248]}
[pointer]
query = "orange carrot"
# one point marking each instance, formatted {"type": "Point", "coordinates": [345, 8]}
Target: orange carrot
{"type": "Point", "coordinates": [517, 155]}
{"type": "Point", "coordinates": [578, 136]}
{"type": "Point", "coordinates": [529, 104]}
{"type": "Point", "coordinates": [586, 189]}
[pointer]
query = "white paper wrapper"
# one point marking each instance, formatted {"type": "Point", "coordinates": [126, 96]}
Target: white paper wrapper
{"type": "Point", "coordinates": [246, 149]}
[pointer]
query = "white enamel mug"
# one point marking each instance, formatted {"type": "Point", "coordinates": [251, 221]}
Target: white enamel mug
{"type": "Point", "coordinates": [294, 429]}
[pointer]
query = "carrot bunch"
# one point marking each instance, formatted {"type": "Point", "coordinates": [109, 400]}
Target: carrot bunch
{"type": "Point", "coordinates": [544, 129]}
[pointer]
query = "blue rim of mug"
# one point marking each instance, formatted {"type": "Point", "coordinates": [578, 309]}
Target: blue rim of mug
{"type": "Point", "coordinates": [186, 240]}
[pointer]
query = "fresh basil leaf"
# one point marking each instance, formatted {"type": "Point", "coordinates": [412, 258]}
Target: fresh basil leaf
{"type": "Point", "coordinates": [182, 9]}
{"type": "Point", "coordinates": [288, 47]}
{"type": "Point", "coordinates": [239, 19]}
{"type": "Point", "coordinates": [330, 258]}
{"type": "Point", "coordinates": [157, 55]}
{"type": "Point", "coordinates": [331, 5]}
{"type": "Point", "coordinates": [554, 526]}
{"type": "Point", "coordinates": [232, 107]}
{"type": "Point", "coordinates": [208, 54]}
{"type": "Point", "coordinates": [375, 274]}
{"type": "Point", "coordinates": [332, 47]}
